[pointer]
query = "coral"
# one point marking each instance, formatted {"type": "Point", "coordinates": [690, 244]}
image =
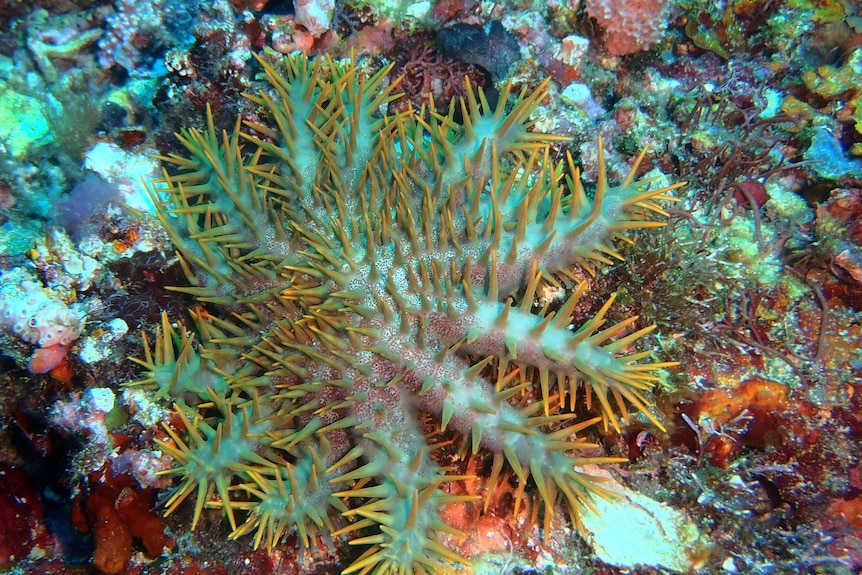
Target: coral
{"type": "Point", "coordinates": [287, 35]}
{"type": "Point", "coordinates": [826, 11]}
{"type": "Point", "coordinates": [572, 51]}
{"type": "Point", "coordinates": [827, 157]}
{"type": "Point", "coordinates": [87, 415]}
{"type": "Point", "coordinates": [124, 171]}
{"type": "Point", "coordinates": [64, 38]}
{"type": "Point", "coordinates": [840, 84]}
{"type": "Point", "coordinates": [315, 15]}
{"type": "Point", "coordinates": [23, 122]}
{"type": "Point", "coordinates": [427, 76]}
{"type": "Point", "coordinates": [844, 519]}
{"type": "Point", "coordinates": [40, 303]}
{"type": "Point", "coordinates": [751, 27]}
{"type": "Point", "coordinates": [34, 314]}
{"type": "Point", "coordinates": [839, 231]}
{"type": "Point", "coordinates": [62, 267]}
{"type": "Point", "coordinates": [209, 71]}
{"type": "Point", "coordinates": [99, 345]}
{"type": "Point", "coordinates": [360, 277]}
{"type": "Point", "coordinates": [630, 26]}
{"type": "Point", "coordinates": [633, 516]}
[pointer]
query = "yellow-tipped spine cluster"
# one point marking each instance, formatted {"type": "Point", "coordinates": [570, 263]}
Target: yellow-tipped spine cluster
{"type": "Point", "coordinates": [362, 272]}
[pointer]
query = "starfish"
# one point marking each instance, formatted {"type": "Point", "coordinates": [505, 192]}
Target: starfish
{"type": "Point", "coordinates": [360, 274]}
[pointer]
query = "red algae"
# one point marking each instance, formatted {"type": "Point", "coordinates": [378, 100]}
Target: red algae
{"type": "Point", "coordinates": [122, 518]}
{"type": "Point", "coordinates": [21, 516]}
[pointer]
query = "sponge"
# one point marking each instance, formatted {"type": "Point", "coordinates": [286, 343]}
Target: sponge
{"type": "Point", "coordinates": [30, 312]}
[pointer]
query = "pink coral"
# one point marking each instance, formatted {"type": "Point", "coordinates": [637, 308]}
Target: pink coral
{"type": "Point", "coordinates": [315, 15]}
{"type": "Point", "coordinates": [631, 25]}
{"type": "Point", "coordinates": [131, 31]}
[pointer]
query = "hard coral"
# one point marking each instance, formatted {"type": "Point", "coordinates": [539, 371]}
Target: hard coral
{"type": "Point", "coordinates": [370, 272]}
{"type": "Point", "coordinates": [630, 26]}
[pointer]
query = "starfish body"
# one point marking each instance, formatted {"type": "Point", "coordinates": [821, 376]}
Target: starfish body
{"type": "Point", "coordinates": [371, 269]}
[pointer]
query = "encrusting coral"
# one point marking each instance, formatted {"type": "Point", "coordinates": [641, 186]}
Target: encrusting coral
{"type": "Point", "coordinates": [370, 269]}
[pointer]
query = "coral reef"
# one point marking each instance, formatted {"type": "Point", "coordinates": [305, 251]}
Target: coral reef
{"type": "Point", "coordinates": [118, 511]}
{"type": "Point", "coordinates": [376, 271]}
{"type": "Point", "coordinates": [58, 41]}
{"type": "Point", "coordinates": [755, 284]}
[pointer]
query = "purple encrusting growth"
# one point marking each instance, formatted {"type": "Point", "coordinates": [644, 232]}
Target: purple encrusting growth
{"type": "Point", "coordinates": [368, 270]}
{"type": "Point", "coordinates": [89, 197]}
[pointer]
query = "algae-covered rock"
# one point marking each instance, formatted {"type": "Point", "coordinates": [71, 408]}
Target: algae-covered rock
{"type": "Point", "coordinates": [632, 530]}
{"type": "Point", "coordinates": [22, 121]}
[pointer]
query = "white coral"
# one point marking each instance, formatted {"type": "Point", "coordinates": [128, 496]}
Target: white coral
{"type": "Point", "coordinates": [315, 15]}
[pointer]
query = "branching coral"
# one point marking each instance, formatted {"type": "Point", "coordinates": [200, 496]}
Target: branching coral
{"type": "Point", "coordinates": [371, 269]}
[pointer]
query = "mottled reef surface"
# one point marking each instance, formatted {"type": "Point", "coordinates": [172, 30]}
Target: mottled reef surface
{"type": "Point", "coordinates": [382, 286]}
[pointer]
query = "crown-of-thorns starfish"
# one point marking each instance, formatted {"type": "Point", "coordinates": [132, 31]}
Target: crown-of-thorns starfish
{"type": "Point", "coordinates": [361, 274]}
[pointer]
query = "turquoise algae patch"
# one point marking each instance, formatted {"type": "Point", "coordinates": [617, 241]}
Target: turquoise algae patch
{"type": "Point", "coordinates": [22, 121]}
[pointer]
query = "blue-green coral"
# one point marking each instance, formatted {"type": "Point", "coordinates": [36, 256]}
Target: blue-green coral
{"type": "Point", "coordinates": [368, 269]}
